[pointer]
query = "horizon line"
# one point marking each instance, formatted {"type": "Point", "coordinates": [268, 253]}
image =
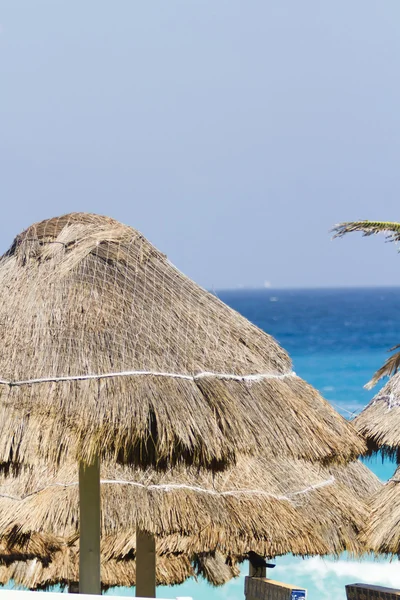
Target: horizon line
{"type": "Point", "coordinates": [251, 288]}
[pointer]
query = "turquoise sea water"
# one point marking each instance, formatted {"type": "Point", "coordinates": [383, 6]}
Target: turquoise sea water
{"type": "Point", "coordinates": [337, 339]}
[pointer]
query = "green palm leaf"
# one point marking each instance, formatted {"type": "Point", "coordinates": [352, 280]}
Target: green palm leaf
{"type": "Point", "coordinates": [389, 228]}
{"type": "Point", "coordinates": [390, 367]}
{"type": "Point", "coordinates": [392, 233]}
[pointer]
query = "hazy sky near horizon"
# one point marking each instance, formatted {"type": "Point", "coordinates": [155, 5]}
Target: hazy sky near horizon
{"type": "Point", "coordinates": [233, 134]}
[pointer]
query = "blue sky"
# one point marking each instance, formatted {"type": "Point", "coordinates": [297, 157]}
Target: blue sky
{"type": "Point", "coordinates": [232, 134]}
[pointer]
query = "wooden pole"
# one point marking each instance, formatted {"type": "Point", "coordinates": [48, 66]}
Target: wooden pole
{"type": "Point", "coordinates": [89, 519]}
{"type": "Point", "coordinates": [257, 571]}
{"type": "Point", "coordinates": [145, 564]}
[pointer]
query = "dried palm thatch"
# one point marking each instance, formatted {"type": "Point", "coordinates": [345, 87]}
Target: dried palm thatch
{"type": "Point", "coordinates": [64, 570]}
{"type": "Point", "coordinates": [215, 568]}
{"type": "Point", "coordinates": [104, 339]}
{"type": "Point", "coordinates": [4, 574]}
{"type": "Point", "coordinates": [379, 422]}
{"type": "Point", "coordinates": [327, 516]}
{"type": "Point", "coordinates": [14, 544]}
{"type": "Point", "coordinates": [171, 569]}
{"type": "Point", "coordinates": [271, 506]}
{"type": "Point", "coordinates": [357, 478]}
{"type": "Point", "coordinates": [360, 484]}
{"type": "Point", "coordinates": [381, 533]}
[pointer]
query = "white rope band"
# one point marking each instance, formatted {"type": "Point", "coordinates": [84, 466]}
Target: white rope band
{"type": "Point", "coordinates": [228, 376]}
{"type": "Point", "coordinates": [391, 400]}
{"type": "Point", "coordinates": [170, 487]}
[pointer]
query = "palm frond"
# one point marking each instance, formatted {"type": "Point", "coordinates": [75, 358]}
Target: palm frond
{"type": "Point", "coordinates": [389, 228]}
{"type": "Point", "coordinates": [390, 367]}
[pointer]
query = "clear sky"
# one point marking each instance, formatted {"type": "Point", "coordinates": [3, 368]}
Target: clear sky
{"type": "Point", "coordinates": [233, 134]}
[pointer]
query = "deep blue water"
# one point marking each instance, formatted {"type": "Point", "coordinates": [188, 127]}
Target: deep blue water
{"type": "Point", "coordinates": [324, 321]}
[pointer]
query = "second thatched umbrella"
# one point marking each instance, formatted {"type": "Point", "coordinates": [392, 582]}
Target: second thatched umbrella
{"type": "Point", "coordinates": [379, 422]}
{"type": "Point", "coordinates": [271, 506]}
{"type": "Point", "coordinates": [109, 351]}
{"type": "Point", "coordinates": [325, 517]}
{"type": "Point", "coordinates": [381, 533]}
{"type": "Point", "coordinates": [64, 570]}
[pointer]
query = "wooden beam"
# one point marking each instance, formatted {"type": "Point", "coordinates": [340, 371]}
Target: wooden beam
{"type": "Point", "coordinates": [145, 564]}
{"type": "Point", "coordinates": [89, 525]}
{"type": "Point", "coordinates": [257, 572]}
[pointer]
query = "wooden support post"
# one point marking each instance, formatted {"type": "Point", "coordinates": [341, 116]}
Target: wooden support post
{"type": "Point", "coordinates": [89, 520]}
{"type": "Point", "coordinates": [257, 572]}
{"type": "Point", "coordinates": [145, 564]}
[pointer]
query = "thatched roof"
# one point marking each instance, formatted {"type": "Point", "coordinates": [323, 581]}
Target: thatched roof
{"type": "Point", "coordinates": [274, 507]}
{"type": "Point", "coordinates": [15, 544]}
{"type": "Point", "coordinates": [381, 533]}
{"type": "Point", "coordinates": [104, 338]}
{"type": "Point", "coordinates": [64, 570]}
{"type": "Point", "coordinates": [357, 478]}
{"type": "Point", "coordinates": [215, 568]}
{"type": "Point", "coordinates": [379, 422]}
{"type": "Point", "coordinates": [349, 486]}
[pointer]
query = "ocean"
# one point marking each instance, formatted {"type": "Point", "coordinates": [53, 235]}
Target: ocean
{"type": "Point", "coordinates": [337, 339]}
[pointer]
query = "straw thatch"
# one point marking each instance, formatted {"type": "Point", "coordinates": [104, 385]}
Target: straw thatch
{"type": "Point", "coordinates": [64, 570]}
{"type": "Point", "coordinates": [379, 422]}
{"type": "Point", "coordinates": [171, 569]}
{"type": "Point", "coordinates": [381, 533]}
{"type": "Point", "coordinates": [15, 545]}
{"type": "Point", "coordinates": [273, 507]}
{"type": "Point", "coordinates": [357, 478]}
{"type": "Point", "coordinates": [13, 542]}
{"type": "Point", "coordinates": [108, 349]}
{"type": "Point", "coordinates": [215, 568]}
{"type": "Point", "coordinates": [4, 574]}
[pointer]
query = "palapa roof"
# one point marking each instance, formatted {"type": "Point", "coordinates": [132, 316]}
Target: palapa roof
{"type": "Point", "coordinates": [59, 564]}
{"type": "Point", "coordinates": [14, 544]}
{"type": "Point", "coordinates": [270, 506]}
{"type": "Point", "coordinates": [64, 570]}
{"type": "Point", "coordinates": [379, 422]}
{"type": "Point", "coordinates": [103, 338]}
{"type": "Point", "coordinates": [381, 533]}
{"type": "Point", "coordinates": [357, 478]}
